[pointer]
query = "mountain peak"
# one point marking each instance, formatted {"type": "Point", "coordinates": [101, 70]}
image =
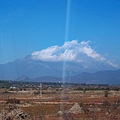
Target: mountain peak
{"type": "Point", "coordinates": [72, 51]}
{"type": "Point", "coordinates": [23, 78]}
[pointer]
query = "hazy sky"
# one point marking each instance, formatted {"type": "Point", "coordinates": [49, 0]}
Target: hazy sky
{"type": "Point", "coordinates": [32, 25]}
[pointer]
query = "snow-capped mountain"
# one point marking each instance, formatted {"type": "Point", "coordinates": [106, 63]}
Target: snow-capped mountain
{"type": "Point", "coordinates": [32, 68]}
{"type": "Point", "coordinates": [70, 59]}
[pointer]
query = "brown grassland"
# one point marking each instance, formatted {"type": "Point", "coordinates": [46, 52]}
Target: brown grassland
{"type": "Point", "coordinates": [90, 105]}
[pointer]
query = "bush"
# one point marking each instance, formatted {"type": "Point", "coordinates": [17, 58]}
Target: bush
{"type": "Point", "coordinates": [13, 101]}
{"type": "Point", "coordinates": [106, 93]}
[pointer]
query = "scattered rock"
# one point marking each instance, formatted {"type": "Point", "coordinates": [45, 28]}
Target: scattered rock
{"type": "Point", "coordinates": [75, 109]}
{"type": "Point", "coordinates": [94, 109]}
{"type": "Point", "coordinates": [15, 114]}
{"type": "Point", "coordinates": [60, 112]}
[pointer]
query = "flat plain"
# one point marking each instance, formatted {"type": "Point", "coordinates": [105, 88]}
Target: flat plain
{"type": "Point", "coordinates": [59, 103]}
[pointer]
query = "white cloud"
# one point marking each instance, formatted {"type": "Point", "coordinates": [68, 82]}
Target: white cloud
{"type": "Point", "coordinates": [112, 64]}
{"type": "Point", "coordinates": [70, 51]}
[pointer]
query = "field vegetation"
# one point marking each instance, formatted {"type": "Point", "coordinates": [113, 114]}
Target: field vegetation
{"type": "Point", "coordinates": [30, 101]}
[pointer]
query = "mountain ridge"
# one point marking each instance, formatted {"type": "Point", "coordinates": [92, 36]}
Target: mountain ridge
{"type": "Point", "coordinates": [100, 77]}
{"type": "Point", "coordinates": [38, 68]}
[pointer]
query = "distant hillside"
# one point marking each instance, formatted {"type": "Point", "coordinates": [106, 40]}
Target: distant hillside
{"type": "Point", "coordinates": [33, 69]}
{"type": "Point", "coordinates": [39, 79]}
{"type": "Point", "coordinates": [24, 79]}
{"type": "Point", "coordinates": [100, 77]}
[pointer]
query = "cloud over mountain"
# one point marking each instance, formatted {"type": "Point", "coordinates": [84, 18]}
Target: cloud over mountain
{"type": "Point", "coordinates": [71, 51]}
{"type": "Point", "coordinates": [80, 58]}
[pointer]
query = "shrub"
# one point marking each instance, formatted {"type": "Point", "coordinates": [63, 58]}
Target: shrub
{"type": "Point", "coordinates": [13, 101]}
{"type": "Point", "coordinates": [106, 93]}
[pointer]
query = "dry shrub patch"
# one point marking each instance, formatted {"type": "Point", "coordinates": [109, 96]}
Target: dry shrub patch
{"type": "Point", "coordinates": [43, 109]}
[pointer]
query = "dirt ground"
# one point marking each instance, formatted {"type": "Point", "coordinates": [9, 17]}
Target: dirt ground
{"type": "Point", "coordinates": [70, 105]}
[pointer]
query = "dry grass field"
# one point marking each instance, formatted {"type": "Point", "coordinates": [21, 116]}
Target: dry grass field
{"type": "Point", "coordinates": [60, 105]}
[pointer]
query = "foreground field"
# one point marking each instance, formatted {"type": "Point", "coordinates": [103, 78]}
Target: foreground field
{"type": "Point", "coordinates": [59, 105]}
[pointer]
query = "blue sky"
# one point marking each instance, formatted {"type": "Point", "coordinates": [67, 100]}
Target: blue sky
{"type": "Point", "coordinates": [32, 25]}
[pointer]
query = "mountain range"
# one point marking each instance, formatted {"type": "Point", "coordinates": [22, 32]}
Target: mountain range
{"type": "Point", "coordinates": [100, 77]}
{"type": "Point", "coordinates": [28, 69]}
